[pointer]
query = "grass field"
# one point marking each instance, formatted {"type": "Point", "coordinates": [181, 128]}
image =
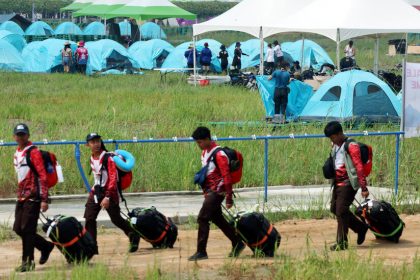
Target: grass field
{"type": "Point", "coordinates": [68, 107]}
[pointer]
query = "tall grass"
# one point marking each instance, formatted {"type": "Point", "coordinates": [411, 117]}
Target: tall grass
{"type": "Point", "coordinates": [68, 107]}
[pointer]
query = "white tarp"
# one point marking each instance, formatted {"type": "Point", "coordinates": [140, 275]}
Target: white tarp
{"type": "Point", "coordinates": [411, 119]}
{"type": "Point", "coordinates": [341, 20]}
{"type": "Point", "coordinates": [250, 16]}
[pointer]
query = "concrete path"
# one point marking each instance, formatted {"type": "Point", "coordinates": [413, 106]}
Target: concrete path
{"type": "Point", "coordinates": [184, 205]}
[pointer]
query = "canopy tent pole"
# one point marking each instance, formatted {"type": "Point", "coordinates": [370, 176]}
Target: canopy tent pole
{"type": "Point", "coordinates": [302, 63]}
{"type": "Point", "coordinates": [406, 47]}
{"type": "Point", "coordinates": [338, 50]}
{"type": "Point", "coordinates": [376, 56]}
{"type": "Point", "coordinates": [195, 61]}
{"type": "Point", "coordinates": [261, 51]}
{"type": "Point", "coordinates": [105, 25]}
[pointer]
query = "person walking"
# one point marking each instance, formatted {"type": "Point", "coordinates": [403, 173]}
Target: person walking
{"type": "Point", "coordinates": [270, 59]}
{"type": "Point", "coordinates": [217, 187]}
{"type": "Point", "coordinates": [349, 177]}
{"type": "Point", "coordinates": [223, 56]}
{"type": "Point", "coordinates": [82, 56]}
{"type": "Point", "coordinates": [105, 193]}
{"type": "Point", "coordinates": [32, 197]}
{"type": "Point", "coordinates": [281, 92]}
{"type": "Point", "coordinates": [66, 57]}
{"type": "Point", "coordinates": [205, 58]}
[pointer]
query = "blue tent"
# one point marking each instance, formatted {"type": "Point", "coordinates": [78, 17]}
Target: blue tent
{"type": "Point", "coordinates": [13, 27]}
{"type": "Point", "coordinates": [44, 56]}
{"type": "Point", "coordinates": [177, 59]}
{"type": "Point", "coordinates": [106, 55]}
{"type": "Point", "coordinates": [353, 94]}
{"type": "Point", "coordinates": [68, 28]}
{"type": "Point", "coordinates": [313, 55]}
{"type": "Point", "coordinates": [39, 28]}
{"type": "Point", "coordinates": [10, 58]}
{"type": "Point", "coordinates": [14, 39]}
{"type": "Point", "coordinates": [252, 49]}
{"type": "Point", "coordinates": [299, 95]}
{"type": "Point", "coordinates": [151, 30]}
{"type": "Point", "coordinates": [125, 28]}
{"type": "Point", "coordinates": [150, 54]}
{"type": "Point", "coordinates": [95, 28]}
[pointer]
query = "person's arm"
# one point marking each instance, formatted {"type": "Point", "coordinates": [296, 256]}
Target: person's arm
{"type": "Point", "coordinates": [112, 186]}
{"type": "Point", "coordinates": [273, 75]}
{"type": "Point", "coordinates": [354, 152]}
{"type": "Point", "coordinates": [222, 163]}
{"type": "Point", "coordinates": [38, 164]}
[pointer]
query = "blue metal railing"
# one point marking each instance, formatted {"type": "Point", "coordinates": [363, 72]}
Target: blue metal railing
{"type": "Point", "coordinates": [266, 140]}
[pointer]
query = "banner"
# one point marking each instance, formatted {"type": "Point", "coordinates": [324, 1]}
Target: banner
{"type": "Point", "coordinates": [411, 119]}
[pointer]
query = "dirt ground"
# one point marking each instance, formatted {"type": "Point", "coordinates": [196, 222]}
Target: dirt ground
{"type": "Point", "coordinates": [296, 235]}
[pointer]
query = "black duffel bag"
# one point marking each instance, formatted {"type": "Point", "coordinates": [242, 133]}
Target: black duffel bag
{"type": "Point", "coordinates": [71, 238]}
{"type": "Point", "coordinates": [154, 227]}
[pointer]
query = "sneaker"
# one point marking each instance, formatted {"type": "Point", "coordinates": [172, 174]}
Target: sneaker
{"type": "Point", "coordinates": [339, 246]}
{"type": "Point", "coordinates": [198, 257]}
{"type": "Point", "coordinates": [26, 266]}
{"type": "Point", "coordinates": [236, 250]}
{"type": "Point", "coordinates": [46, 254]}
{"type": "Point", "coordinates": [134, 242]}
{"type": "Point", "coordinates": [361, 236]}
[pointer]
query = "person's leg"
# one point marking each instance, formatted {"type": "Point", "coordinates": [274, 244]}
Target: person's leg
{"type": "Point", "coordinates": [203, 221]}
{"type": "Point", "coordinates": [276, 101]}
{"type": "Point", "coordinates": [345, 196]}
{"type": "Point", "coordinates": [92, 210]}
{"type": "Point", "coordinates": [284, 98]}
{"type": "Point", "coordinates": [115, 215]}
{"type": "Point", "coordinates": [218, 219]}
{"type": "Point", "coordinates": [17, 228]}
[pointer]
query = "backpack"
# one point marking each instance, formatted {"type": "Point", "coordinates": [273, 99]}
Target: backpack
{"type": "Point", "coordinates": [125, 177]}
{"type": "Point", "coordinates": [366, 153]}
{"type": "Point", "coordinates": [50, 164]}
{"type": "Point", "coordinates": [235, 165]}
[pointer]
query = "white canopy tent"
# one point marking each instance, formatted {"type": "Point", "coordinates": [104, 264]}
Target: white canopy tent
{"type": "Point", "coordinates": [338, 20]}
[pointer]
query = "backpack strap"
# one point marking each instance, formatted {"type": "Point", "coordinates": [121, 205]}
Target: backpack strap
{"type": "Point", "coordinates": [347, 143]}
{"type": "Point", "coordinates": [105, 158]}
{"type": "Point", "coordinates": [33, 169]}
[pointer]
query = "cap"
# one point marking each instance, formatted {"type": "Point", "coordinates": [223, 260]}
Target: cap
{"type": "Point", "coordinates": [222, 47]}
{"type": "Point", "coordinates": [66, 43]}
{"type": "Point", "coordinates": [21, 128]}
{"type": "Point", "coordinates": [238, 43]}
{"type": "Point", "coordinates": [82, 43]}
{"type": "Point", "coordinates": [92, 136]}
{"type": "Point", "coordinates": [206, 44]}
{"type": "Point", "coordinates": [191, 46]}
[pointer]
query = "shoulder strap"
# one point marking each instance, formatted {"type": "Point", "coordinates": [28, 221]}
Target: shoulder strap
{"type": "Point", "coordinates": [28, 159]}
{"type": "Point", "coordinates": [347, 144]}
{"type": "Point", "coordinates": [213, 155]}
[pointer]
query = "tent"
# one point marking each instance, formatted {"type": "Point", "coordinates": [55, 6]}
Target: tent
{"type": "Point", "coordinates": [252, 49]}
{"type": "Point", "coordinates": [150, 9]}
{"type": "Point", "coordinates": [14, 39]}
{"type": "Point", "coordinates": [39, 28]}
{"type": "Point", "coordinates": [150, 54]}
{"type": "Point", "coordinates": [10, 58]}
{"type": "Point", "coordinates": [44, 56]}
{"type": "Point", "coordinates": [95, 28]}
{"type": "Point", "coordinates": [68, 28]}
{"type": "Point", "coordinates": [313, 55]}
{"type": "Point", "coordinates": [125, 28]}
{"type": "Point", "coordinates": [12, 27]}
{"type": "Point", "coordinates": [353, 94]}
{"type": "Point", "coordinates": [151, 30]}
{"type": "Point", "coordinates": [106, 55]}
{"type": "Point", "coordinates": [177, 60]}
{"type": "Point", "coordinates": [299, 95]}
{"type": "Point", "coordinates": [100, 8]}
{"type": "Point", "coordinates": [77, 5]}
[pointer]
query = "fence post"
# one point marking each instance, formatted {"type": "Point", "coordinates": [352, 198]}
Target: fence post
{"type": "Point", "coordinates": [266, 169]}
{"type": "Point", "coordinates": [80, 167]}
{"type": "Point", "coordinates": [397, 161]}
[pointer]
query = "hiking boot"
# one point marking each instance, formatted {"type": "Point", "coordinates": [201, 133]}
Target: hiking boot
{"type": "Point", "coordinates": [134, 242]}
{"type": "Point", "coordinates": [198, 257]}
{"type": "Point", "coordinates": [361, 236]}
{"type": "Point", "coordinates": [236, 250]}
{"type": "Point", "coordinates": [26, 266]}
{"type": "Point", "coordinates": [46, 254]}
{"type": "Point", "coordinates": [339, 246]}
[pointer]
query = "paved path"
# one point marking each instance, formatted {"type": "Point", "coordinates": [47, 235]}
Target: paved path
{"type": "Point", "coordinates": [182, 205]}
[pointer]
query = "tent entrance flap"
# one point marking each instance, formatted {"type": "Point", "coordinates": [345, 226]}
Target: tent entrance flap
{"type": "Point", "coordinates": [118, 61]}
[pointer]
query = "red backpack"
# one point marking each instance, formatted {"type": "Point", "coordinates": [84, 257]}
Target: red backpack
{"type": "Point", "coordinates": [50, 164]}
{"type": "Point", "coordinates": [124, 178]}
{"type": "Point", "coordinates": [366, 153]}
{"type": "Point", "coordinates": [236, 163]}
